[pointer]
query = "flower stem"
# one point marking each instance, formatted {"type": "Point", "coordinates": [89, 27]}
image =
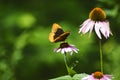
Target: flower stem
{"type": "Point", "coordinates": [101, 56]}
{"type": "Point", "coordinates": [70, 71]}
{"type": "Point", "coordinates": [65, 59]}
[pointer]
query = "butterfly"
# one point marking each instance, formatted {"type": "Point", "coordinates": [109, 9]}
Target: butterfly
{"type": "Point", "coordinates": [57, 34]}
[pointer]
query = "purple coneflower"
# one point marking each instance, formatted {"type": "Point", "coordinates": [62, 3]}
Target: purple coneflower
{"type": "Point", "coordinates": [66, 48]}
{"type": "Point", "coordinates": [98, 76]}
{"type": "Point", "coordinates": [97, 20]}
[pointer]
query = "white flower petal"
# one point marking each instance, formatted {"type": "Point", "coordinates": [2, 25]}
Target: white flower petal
{"type": "Point", "coordinates": [71, 52]}
{"type": "Point", "coordinates": [58, 50]}
{"type": "Point", "coordinates": [86, 21]}
{"type": "Point", "coordinates": [106, 25]}
{"type": "Point", "coordinates": [75, 50]}
{"type": "Point", "coordinates": [68, 49]}
{"type": "Point", "coordinates": [90, 25]}
{"type": "Point", "coordinates": [91, 29]}
{"type": "Point", "coordinates": [87, 26]}
{"type": "Point", "coordinates": [103, 29]}
{"type": "Point", "coordinates": [97, 28]}
{"type": "Point", "coordinates": [63, 51]}
{"type": "Point", "coordinates": [108, 31]}
{"type": "Point", "coordinates": [84, 26]}
{"type": "Point", "coordinates": [88, 78]}
{"type": "Point", "coordinates": [71, 45]}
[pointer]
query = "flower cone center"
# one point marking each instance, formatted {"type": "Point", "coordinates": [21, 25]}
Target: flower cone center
{"type": "Point", "coordinates": [63, 45]}
{"type": "Point", "coordinates": [97, 14]}
{"type": "Point", "coordinates": [98, 75]}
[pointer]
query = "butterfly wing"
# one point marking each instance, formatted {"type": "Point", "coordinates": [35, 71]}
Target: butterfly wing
{"type": "Point", "coordinates": [57, 34]}
{"type": "Point", "coordinates": [62, 37]}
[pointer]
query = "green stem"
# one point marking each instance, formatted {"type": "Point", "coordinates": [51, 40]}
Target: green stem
{"type": "Point", "coordinates": [70, 71]}
{"type": "Point", "coordinates": [101, 56]}
{"type": "Point", "coordinates": [65, 59]}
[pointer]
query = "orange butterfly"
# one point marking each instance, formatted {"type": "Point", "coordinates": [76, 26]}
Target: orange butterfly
{"type": "Point", "coordinates": [57, 34]}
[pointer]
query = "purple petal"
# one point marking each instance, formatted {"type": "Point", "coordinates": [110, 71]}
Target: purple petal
{"type": "Point", "coordinates": [107, 77]}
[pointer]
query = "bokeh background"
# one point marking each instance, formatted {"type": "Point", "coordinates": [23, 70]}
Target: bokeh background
{"type": "Point", "coordinates": [27, 54]}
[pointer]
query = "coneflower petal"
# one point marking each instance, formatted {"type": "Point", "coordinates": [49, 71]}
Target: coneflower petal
{"type": "Point", "coordinates": [97, 29]}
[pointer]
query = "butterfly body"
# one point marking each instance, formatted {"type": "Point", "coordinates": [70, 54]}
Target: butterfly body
{"type": "Point", "coordinates": [57, 34]}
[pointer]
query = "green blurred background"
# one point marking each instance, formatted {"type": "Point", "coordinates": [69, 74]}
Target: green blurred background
{"type": "Point", "coordinates": [27, 54]}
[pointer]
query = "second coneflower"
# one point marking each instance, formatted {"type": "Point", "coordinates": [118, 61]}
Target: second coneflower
{"type": "Point", "coordinates": [66, 48]}
{"type": "Point", "coordinates": [97, 20]}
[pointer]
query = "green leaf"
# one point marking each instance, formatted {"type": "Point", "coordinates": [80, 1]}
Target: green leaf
{"type": "Point", "coordinates": [79, 76]}
{"type": "Point", "coordinates": [71, 72]}
{"type": "Point", "coordinates": [67, 77]}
